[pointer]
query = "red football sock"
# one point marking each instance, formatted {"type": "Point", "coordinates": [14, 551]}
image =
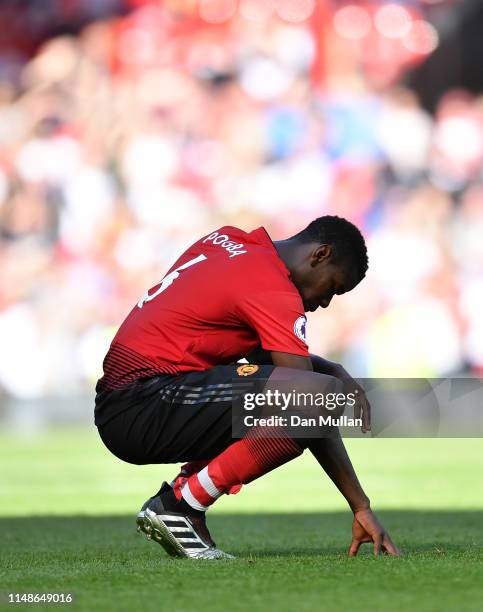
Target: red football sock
{"type": "Point", "coordinates": [242, 462]}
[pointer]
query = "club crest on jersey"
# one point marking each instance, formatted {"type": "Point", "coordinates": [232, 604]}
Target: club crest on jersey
{"type": "Point", "coordinates": [299, 328]}
{"type": "Point", "coordinates": [247, 369]}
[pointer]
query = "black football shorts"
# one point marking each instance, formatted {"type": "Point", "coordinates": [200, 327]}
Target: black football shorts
{"type": "Point", "coordinates": [172, 419]}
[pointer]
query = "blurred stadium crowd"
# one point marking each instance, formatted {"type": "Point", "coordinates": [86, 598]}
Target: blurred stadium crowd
{"type": "Point", "coordinates": [122, 144]}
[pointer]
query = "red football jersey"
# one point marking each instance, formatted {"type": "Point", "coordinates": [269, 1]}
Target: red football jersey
{"type": "Point", "coordinates": [227, 294]}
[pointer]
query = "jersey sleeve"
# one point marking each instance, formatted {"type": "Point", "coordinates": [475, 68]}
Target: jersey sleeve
{"type": "Point", "coordinates": [278, 318]}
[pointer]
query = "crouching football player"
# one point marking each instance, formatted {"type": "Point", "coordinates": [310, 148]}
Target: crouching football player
{"type": "Point", "coordinates": [166, 394]}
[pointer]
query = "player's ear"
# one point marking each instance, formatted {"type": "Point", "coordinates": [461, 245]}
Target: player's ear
{"type": "Point", "coordinates": [320, 254]}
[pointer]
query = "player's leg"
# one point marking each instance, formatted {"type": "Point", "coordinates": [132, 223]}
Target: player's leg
{"type": "Point", "coordinates": [169, 419]}
{"type": "Point", "coordinates": [190, 418]}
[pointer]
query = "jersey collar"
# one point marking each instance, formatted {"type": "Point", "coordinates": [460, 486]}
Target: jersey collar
{"type": "Point", "coordinates": [263, 237]}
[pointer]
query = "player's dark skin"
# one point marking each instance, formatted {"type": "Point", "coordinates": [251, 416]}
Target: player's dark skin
{"type": "Point", "coordinates": [318, 277]}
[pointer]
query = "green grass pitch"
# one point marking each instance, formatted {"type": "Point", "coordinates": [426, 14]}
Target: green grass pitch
{"type": "Point", "coordinates": [67, 525]}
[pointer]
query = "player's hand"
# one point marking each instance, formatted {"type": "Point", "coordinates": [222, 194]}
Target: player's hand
{"type": "Point", "coordinates": [366, 528]}
{"type": "Point", "coordinates": [362, 408]}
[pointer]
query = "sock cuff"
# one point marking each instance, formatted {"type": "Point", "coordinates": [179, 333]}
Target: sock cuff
{"type": "Point", "coordinates": [190, 499]}
{"type": "Point", "coordinates": [207, 483]}
{"type": "Point", "coordinates": [199, 491]}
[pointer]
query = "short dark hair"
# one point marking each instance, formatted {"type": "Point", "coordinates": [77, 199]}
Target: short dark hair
{"type": "Point", "coordinates": [346, 240]}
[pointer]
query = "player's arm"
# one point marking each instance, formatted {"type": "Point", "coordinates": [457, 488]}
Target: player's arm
{"type": "Point", "coordinates": [333, 458]}
{"type": "Point", "coordinates": [289, 360]}
{"type": "Point", "coordinates": [324, 366]}
{"type": "Point", "coordinates": [319, 364]}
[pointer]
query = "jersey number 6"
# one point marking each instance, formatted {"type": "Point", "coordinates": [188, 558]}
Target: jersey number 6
{"type": "Point", "coordinates": [169, 279]}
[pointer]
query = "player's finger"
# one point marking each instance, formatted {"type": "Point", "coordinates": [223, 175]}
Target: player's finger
{"type": "Point", "coordinates": [354, 547]}
{"type": "Point", "coordinates": [377, 543]}
{"type": "Point", "coordinates": [368, 416]}
{"type": "Point", "coordinates": [390, 547]}
{"type": "Point", "coordinates": [359, 410]}
{"type": "Point", "coordinates": [364, 414]}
